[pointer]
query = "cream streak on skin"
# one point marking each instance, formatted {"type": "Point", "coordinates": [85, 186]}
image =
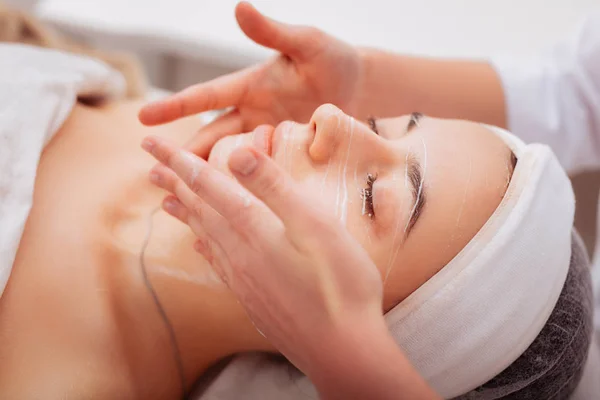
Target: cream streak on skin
{"type": "Point", "coordinates": [344, 176]}
{"type": "Point", "coordinates": [329, 161]}
{"type": "Point", "coordinates": [396, 246]}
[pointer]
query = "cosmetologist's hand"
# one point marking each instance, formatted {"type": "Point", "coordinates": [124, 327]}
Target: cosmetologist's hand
{"type": "Point", "coordinates": [305, 283]}
{"type": "Point", "coordinates": [313, 68]}
{"type": "Point", "coordinates": [296, 269]}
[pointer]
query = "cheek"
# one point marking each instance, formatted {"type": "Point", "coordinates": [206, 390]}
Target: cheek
{"type": "Point", "coordinates": [341, 198]}
{"type": "Point", "coordinates": [325, 190]}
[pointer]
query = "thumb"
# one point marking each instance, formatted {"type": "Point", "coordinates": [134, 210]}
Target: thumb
{"type": "Point", "coordinates": [294, 41]}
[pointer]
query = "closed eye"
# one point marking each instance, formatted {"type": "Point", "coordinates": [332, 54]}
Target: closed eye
{"type": "Point", "coordinates": [414, 176]}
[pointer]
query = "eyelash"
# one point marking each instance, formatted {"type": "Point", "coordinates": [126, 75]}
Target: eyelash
{"type": "Point", "coordinates": [373, 125]}
{"type": "Point", "coordinates": [367, 192]}
{"type": "Point", "coordinates": [367, 197]}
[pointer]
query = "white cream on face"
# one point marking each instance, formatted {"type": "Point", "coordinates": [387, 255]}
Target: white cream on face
{"type": "Point", "coordinates": [395, 245]}
{"type": "Point", "coordinates": [329, 160]}
{"type": "Point", "coordinates": [343, 206]}
{"type": "Point", "coordinates": [359, 188]}
{"type": "Point", "coordinates": [288, 148]}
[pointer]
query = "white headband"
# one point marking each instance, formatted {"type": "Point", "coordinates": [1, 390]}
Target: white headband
{"type": "Point", "coordinates": [478, 314]}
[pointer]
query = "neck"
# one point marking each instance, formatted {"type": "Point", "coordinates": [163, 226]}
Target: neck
{"type": "Point", "coordinates": [186, 307]}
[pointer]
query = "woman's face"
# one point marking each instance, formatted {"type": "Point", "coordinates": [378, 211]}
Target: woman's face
{"type": "Point", "coordinates": [412, 190]}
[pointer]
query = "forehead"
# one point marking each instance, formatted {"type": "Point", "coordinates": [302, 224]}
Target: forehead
{"type": "Point", "coordinates": [452, 151]}
{"type": "Point", "coordinates": [466, 173]}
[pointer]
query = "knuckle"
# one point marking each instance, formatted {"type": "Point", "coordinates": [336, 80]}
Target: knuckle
{"type": "Point", "coordinates": [198, 178]}
{"type": "Point", "coordinates": [315, 40]}
{"type": "Point", "coordinates": [313, 34]}
{"type": "Point", "coordinates": [244, 217]}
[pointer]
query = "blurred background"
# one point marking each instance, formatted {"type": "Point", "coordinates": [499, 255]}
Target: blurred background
{"type": "Point", "coordinates": [181, 42]}
{"type": "Point", "coordinates": [186, 41]}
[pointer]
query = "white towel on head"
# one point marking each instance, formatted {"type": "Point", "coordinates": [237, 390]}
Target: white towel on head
{"type": "Point", "coordinates": [38, 89]}
{"type": "Point", "coordinates": [480, 313]}
{"type": "Point", "coordinates": [483, 310]}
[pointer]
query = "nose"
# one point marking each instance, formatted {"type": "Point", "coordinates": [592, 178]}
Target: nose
{"type": "Point", "coordinates": [330, 126]}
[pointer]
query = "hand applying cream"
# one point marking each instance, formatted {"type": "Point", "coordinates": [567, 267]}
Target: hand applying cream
{"type": "Point", "coordinates": [317, 298]}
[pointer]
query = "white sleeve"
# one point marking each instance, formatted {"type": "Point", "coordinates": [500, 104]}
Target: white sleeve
{"type": "Point", "coordinates": [555, 98]}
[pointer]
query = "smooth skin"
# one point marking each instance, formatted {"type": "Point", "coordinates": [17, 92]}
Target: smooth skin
{"type": "Point", "coordinates": [342, 307]}
{"type": "Point", "coordinates": [466, 173]}
{"type": "Point", "coordinates": [314, 68]}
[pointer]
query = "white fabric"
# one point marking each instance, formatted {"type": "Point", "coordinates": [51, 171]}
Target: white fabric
{"type": "Point", "coordinates": [554, 98]}
{"type": "Point", "coordinates": [38, 88]}
{"type": "Point", "coordinates": [482, 310]}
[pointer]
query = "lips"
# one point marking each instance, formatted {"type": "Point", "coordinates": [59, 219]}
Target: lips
{"type": "Point", "coordinates": [262, 138]}
{"type": "Point", "coordinates": [282, 136]}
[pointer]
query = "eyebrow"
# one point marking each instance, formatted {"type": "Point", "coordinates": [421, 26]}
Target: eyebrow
{"type": "Point", "coordinates": [415, 177]}
{"type": "Point", "coordinates": [414, 174]}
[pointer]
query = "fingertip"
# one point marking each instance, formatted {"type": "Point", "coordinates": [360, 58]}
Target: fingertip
{"type": "Point", "coordinates": [242, 9]}
{"type": "Point", "coordinates": [150, 114]}
{"type": "Point", "coordinates": [244, 161]}
{"type": "Point", "coordinates": [254, 24]}
{"type": "Point", "coordinates": [148, 143]}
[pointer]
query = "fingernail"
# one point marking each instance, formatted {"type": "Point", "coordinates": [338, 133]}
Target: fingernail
{"type": "Point", "coordinates": [170, 205]}
{"type": "Point", "coordinates": [244, 162]}
{"type": "Point", "coordinates": [147, 145]}
{"type": "Point", "coordinates": [154, 177]}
